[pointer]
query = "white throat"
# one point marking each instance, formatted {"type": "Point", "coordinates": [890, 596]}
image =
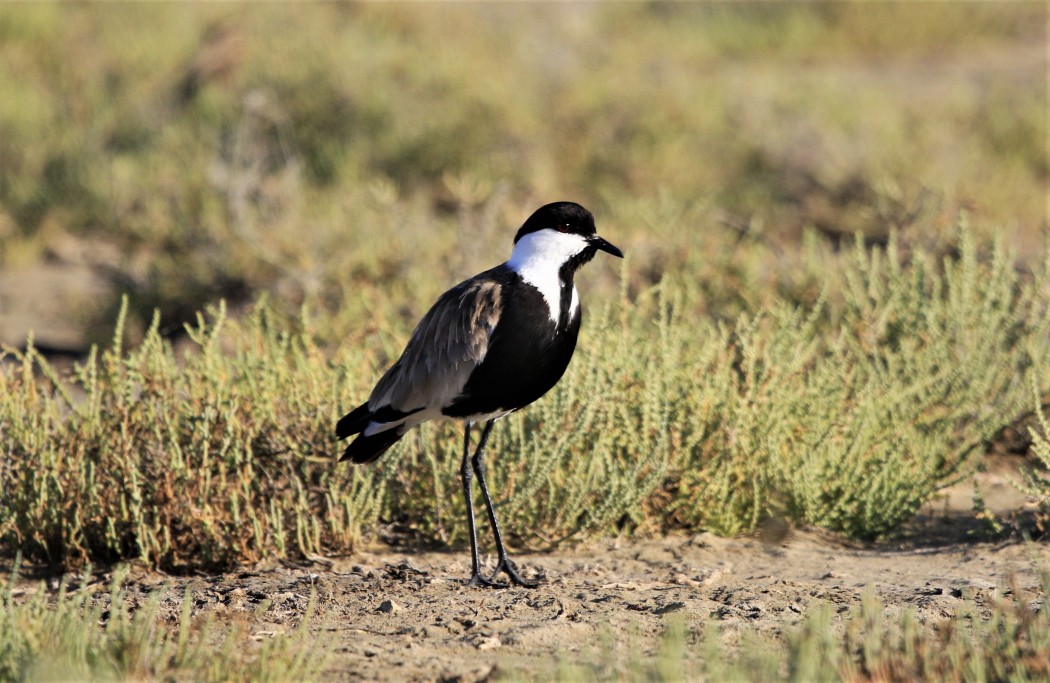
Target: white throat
{"type": "Point", "coordinates": [537, 258]}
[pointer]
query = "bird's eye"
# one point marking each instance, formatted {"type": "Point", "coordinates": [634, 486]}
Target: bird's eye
{"type": "Point", "coordinates": [563, 228]}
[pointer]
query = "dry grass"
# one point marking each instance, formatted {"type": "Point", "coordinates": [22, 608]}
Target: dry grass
{"type": "Point", "coordinates": [1002, 637]}
{"type": "Point", "coordinates": [88, 633]}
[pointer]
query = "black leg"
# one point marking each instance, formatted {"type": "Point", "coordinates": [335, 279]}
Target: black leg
{"type": "Point", "coordinates": [504, 565]}
{"type": "Point", "coordinates": [476, 579]}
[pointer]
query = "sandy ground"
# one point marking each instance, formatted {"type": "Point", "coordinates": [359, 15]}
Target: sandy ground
{"type": "Point", "coordinates": [395, 616]}
{"type": "Point", "coordinates": [403, 615]}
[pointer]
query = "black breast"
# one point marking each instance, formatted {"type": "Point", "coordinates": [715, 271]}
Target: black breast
{"type": "Point", "coordinates": [527, 354]}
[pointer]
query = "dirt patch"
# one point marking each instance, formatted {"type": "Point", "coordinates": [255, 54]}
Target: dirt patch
{"type": "Point", "coordinates": [625, 592]}
{"type": "Point", "coordinates": [390, 615]}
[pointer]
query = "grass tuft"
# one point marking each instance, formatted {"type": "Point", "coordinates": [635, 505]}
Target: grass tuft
{"type": "Point", "coordinates": [85, 634]}
{"type": "Point", "coordinates": [1004, 636]}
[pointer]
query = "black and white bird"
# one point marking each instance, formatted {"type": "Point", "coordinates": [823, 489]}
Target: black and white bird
{"type": "Point", "coordinates": [491, 345]}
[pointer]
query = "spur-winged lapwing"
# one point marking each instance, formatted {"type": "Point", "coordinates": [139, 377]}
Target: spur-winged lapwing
{"type": "Point", "coordinates": [489, 346]}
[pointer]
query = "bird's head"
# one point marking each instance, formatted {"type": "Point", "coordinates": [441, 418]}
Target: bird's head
{"type": "Point", "coordinates": [559, 235]}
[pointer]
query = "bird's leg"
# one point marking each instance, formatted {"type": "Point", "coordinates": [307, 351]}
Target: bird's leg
{"type": "Point", "coordinates": [504, 565]}
{"type": "Point", "coordinates": [476, 579]}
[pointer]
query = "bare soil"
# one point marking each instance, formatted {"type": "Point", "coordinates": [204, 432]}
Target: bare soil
{"type": "Point", "coordinates": [403, 615]}
{"type": "Point", "coordinates": [398, 617]}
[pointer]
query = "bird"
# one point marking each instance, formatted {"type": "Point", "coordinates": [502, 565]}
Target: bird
{"type": "Point", "coordinates": [488, 347]}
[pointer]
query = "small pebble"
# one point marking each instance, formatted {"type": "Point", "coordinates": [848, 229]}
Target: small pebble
{"type": "Point", "coordinates": [388, 607]}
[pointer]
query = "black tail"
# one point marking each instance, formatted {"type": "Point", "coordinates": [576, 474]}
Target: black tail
{"type": "Point", "coordinates": [353, 422]}
{"type": "Point", "coordinates": [368, 448]}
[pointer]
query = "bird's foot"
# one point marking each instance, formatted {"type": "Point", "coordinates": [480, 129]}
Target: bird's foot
{"type": "Point", "coordinates": [479, 581]}
{"type": "Point", "coordinates": [507, 567]}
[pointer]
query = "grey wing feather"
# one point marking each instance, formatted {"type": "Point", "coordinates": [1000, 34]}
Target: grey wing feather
{"type": "Point", "coordinates": [447, 344]}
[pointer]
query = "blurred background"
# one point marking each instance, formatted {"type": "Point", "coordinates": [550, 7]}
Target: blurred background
{"type": "Point", "coordinates": [326, 155]}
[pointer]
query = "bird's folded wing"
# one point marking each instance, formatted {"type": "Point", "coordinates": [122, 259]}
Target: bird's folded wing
{"type": "Point", "coordinates": [448, 344]}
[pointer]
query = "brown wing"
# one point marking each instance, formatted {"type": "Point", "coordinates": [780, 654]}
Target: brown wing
{"type": "Point", "coordinates": [449, 342]}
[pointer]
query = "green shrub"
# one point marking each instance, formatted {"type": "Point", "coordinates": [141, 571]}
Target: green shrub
{"type": "Point", "coordinates": [1033, 483]}
{"type": "Point", "coordinates": [209, 458]}
{"type": "Point", "coordinates": [853, 427]}
{"type": "Point", "coordinates": [847, 414]}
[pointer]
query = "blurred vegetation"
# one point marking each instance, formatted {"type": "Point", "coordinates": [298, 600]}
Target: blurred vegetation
{"type": "Point", "coordinates": [1035, 483]}
{"type": "Point", "coordinates": [218, 150]}
{"type": "Point", "coordinates": [87, 634]}
{"type": "Point", "coordinates": [802, 328]}
{"type": "Point", "coordinates": [1004, 636]}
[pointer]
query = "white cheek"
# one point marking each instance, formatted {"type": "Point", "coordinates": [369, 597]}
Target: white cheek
{"type": "Point", "coordinates": [538, 257]}
{"type": "Point", "coordinates": [546, 249]}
